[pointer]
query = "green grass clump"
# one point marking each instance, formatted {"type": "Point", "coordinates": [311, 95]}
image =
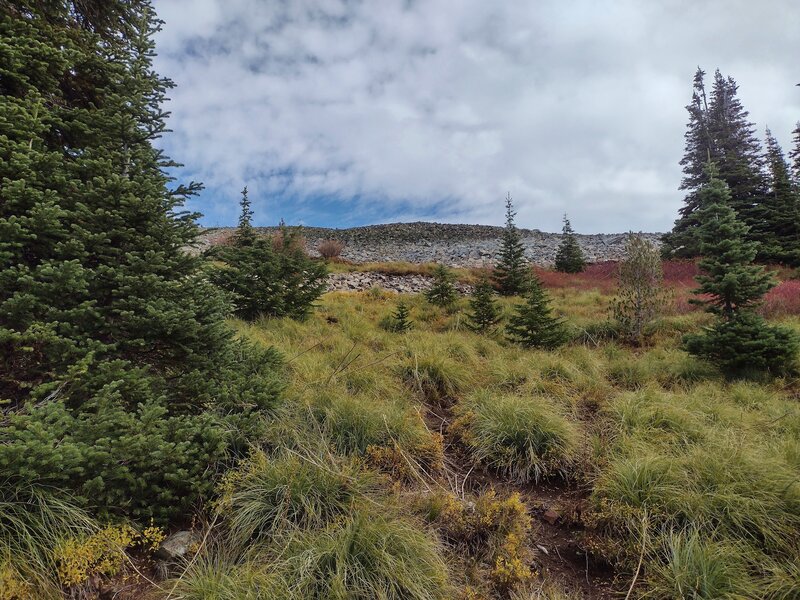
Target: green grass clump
{"type": "Point", "coordinates": [218, 574]}
{"type": "Point", "coordinates": [33, 523]}
{"type": "Point", "coordinates": [695, 567]}
{"type": "Point", "coordinates": [523, 438]}
{"type": "Point", "coordinates": [369, 556]}
{"type": "Point", "coordinates": [266, 493]}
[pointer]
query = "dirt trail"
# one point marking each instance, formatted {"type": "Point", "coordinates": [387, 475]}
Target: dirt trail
{"type": "Point", "coordinates": [555, 506]}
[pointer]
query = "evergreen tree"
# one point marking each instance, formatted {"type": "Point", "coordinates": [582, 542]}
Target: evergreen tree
{"type": "Point", "coordinates": [268, 277]}
{"type": "Point", "coordinates": [718, 131]}
{"type": "Point", "coordinates": [399, 321]}
{"type": "Point", "coordinates": [485, 312]}
{"type": "Point", "coordinates": [245, 234]}
{"type": "Point", "coordinates": [569, 257]}
{"type": "Point", "coordinates": [795, 155]}
{"type": "Point", "coordinates": [640, 295]}
{"type": "Point", "coordinates": [778, 229]}
{"type": "Point", "coordinates": [729, 281]}
{"type": "Point", "coordinates": [740, 342]}
{"type": "Point", "coordinates": [442, 293]}
{"type": "Point", "coordinates": [511, 272]}
{"type": "Point", "coordinates": [533, 324]}
{"type": "Point", "coordinates": [114, 353]}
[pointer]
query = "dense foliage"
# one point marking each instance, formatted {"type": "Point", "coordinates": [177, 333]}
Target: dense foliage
{"type": "Point", "coordinates": [442, 292]}
{"type": "Point", "coordinates": [485, 312]}
{"type": "Point", "coordinates": [762, 191]}
{"type": "Point", "coordinates": [730, 287]}
{"type": "Point", "coordinates": [121, 380]}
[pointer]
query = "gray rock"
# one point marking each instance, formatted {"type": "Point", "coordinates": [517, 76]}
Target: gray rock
{"type": "Point", "coordinates": [177, 545]}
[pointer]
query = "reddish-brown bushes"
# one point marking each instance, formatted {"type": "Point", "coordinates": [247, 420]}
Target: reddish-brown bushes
{"type": "Point", "coordinates": [784, 299]}
{"type": "Point", "coordinates": [329, 248]}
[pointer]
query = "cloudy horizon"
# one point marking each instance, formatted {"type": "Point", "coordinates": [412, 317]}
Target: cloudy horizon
{"type": "Point", "coordinates": [342, 113]}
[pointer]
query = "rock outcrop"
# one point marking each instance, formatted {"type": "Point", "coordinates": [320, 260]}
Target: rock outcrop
{"type": "Point", "coordinates": [453, 245]}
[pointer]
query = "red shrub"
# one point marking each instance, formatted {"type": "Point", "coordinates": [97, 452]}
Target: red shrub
{"type": "Point", "coordinates": [330, 248]}
{"type": "Point", "coordinates": [784, 299]}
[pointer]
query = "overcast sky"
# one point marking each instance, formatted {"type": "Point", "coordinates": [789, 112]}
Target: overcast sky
{"type": "Point", "coordinates": [343, 113]}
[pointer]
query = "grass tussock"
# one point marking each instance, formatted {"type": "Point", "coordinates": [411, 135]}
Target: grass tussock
{"type": "Point", "coordinates": [34, 524]}
{"type": "Point", "coordinates": [368, 555]}
{"type": "Point", "coordinates": [523, 438]}
{"type": "Point", "coordinates": [699, 471]}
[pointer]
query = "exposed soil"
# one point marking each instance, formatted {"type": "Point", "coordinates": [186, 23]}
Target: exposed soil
{"type": "Point", "coordinates": [555, 505]}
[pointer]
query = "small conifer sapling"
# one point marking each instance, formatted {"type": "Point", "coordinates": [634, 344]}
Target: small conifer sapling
{"type": "Point", "coordinates": [569, 257]}
{"type": "Point", "coordinates": [485, 312]}
{"type": "Point", "coordinates": [442, 293]}
{"type": "Point", "coordinates": [511, 271]}
{"type": "Point", "coordinates": [533, 324]}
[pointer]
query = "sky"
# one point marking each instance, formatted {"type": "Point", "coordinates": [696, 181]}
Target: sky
{"type": "Point", "coordinates": [342, 113]}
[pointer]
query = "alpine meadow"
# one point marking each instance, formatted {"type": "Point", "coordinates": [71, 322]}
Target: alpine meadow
{"type": "Point", "coordinates": [259, 410]}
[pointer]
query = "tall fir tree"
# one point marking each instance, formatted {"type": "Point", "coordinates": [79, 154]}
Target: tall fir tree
{"type": "Point", "coordinates": [719, 131]}
{"type": "Point", "coordinates": [511, 272]}
{"type": "Point", "coordinates": [117, 369]}
{"type": "Point", "coordinates": [778, 228]}
{"type": "Point", "coordinates": [485, 312]}
{"type": "Point", "coordinates": [569, 256]}
{"type": "Point", "coordinates": [533, 324]}
{"type": "Point", "coordinates": [794, 155]}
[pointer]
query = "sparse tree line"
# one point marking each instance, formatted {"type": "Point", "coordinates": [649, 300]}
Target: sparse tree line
{"type": "Point", "coordinates": [763, 184]}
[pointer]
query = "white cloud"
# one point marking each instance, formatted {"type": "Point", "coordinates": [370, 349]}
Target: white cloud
{"type": "Point", "coordinates": [440, 107]}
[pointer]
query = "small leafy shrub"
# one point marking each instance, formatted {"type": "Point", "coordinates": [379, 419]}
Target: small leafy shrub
{"type": "Point", "coordinates": [640, 296]}
{"type": "Point", "coordinates": [366, 556]}
{"type": "Point", "coordinates": [522, 438]}
{"type": "Point", "coordinates": [102, 552]}
{"type": "Point", "coordinates": [34, 522]}
{"type": "Point", "coordinates": [330, 248]}
{"type": "Point", "coordinates": [493, 530]}
{"type": "Point", "coordinates": [405, 464]}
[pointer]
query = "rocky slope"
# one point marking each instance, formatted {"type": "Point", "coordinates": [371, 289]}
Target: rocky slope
{"type": "Point", "coordinates": [453, 245]}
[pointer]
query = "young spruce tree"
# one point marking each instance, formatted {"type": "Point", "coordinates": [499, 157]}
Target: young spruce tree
{"type": "Point", "coordinates": [120, 379]}
{"type": "Point", "coordinates": [533, 324]}
{"type": "Point", "coordinates": [511, 272]}
{"type": "Point", "coordinates": [569, 257]}
{"type": "Point", "coordinates": [265, 276]}
{"type": "Point", "coordinates": [442, 293]}
{"type": "Point", "coordinates": [731, 286]}
{"type": "Point", "coordinates": [485, 312]}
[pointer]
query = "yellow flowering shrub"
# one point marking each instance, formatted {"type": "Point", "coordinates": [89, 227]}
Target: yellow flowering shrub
{"type": "Point", "coordinates": [102, 553]}
{"type": "Point", "coordinates": [510, 568]}
{"type": "Point", "coordinates": [12, 585]}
